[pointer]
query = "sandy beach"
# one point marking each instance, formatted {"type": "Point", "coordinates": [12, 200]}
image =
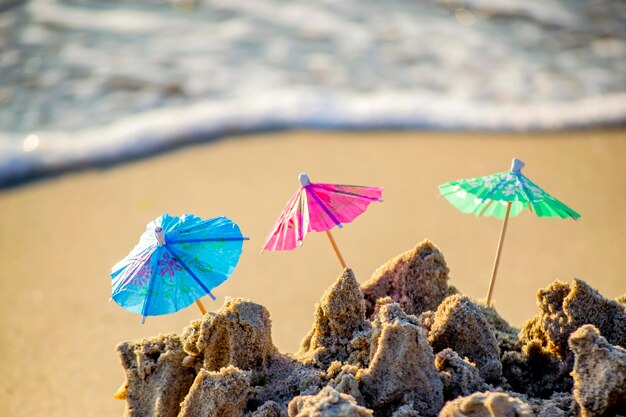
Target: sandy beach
{"type": "Point", "coordinates": [60, 237]}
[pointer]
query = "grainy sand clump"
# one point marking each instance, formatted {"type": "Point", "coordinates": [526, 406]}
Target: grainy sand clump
{"type": "Point", "coordinates": [405, 344]}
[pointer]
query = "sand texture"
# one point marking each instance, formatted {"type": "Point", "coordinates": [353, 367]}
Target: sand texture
{"type": "Point", "coordinates": [217, 394]}
{"type": "Point", "coordinates": [401, 368]}
{"type": "Point", "coordinates": [599, 373]}
{"type": "Point", "coordinates": [340, 312]}
{"type": "Point", "coordinates": [156, 378]}
{"type": "Point", "coordinates": [460, 376]}
{"type": "Point", "coordinates": [459, 324]}
{"type": "Point", "coordinates": [488, 404]}
{"type": "Point", "coordinates": [445, 362]}
{"type": "Point", "coordinates": [215, 341]}
{"type": "Point", "coordinates": [416, 279]}
{"type": "Point", "coordinates": [327, 403]}
{"type": "Point", "coordinates": [564, 308]}
{"type": "Point", "coordinates": [60, 237]}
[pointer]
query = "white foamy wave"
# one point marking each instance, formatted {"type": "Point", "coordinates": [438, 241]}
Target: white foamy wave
{"type": "Point", "coordinates": [97, 82]}
{"type": "Point", "coordinates": [160, 129]}
{"type": "Point", "coordinates": [123, 21]}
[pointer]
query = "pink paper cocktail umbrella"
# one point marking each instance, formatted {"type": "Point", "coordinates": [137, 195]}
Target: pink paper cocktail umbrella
{"type": "Point", "coordinates": [319, 207]}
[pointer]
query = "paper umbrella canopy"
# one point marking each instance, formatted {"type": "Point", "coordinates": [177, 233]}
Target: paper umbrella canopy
{"type": "Point", "coordinates": [503, 195]}
{"type": "Point", "coordinates": [319, 207]}
{"type": "Point", "coordinates": [177, 261]}
{"type": "Point", "coordinates": [491, 195]}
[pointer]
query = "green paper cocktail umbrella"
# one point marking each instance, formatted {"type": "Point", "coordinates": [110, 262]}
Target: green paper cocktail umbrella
{"type": "Point", "coordinates": [503, 195]}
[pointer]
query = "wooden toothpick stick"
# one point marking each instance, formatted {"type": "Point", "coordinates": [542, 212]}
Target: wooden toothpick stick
{"type": "Point", "coordinates": [495, 265]}
{"type": "Point", "coordinates": [201, 306]}
{"type": "Point", "coordinates": [336, 249]}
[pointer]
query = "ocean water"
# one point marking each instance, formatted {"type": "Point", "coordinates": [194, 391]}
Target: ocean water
{"type": "Point", "coordinates": [94, 82]}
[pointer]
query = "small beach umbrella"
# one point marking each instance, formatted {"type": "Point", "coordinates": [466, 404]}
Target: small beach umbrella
{"type": "Point", "coordinates": [319, 207]}
{"type": "Point", "coordinates": [503, 195]}
{"type": "Point", "coordinates": [177, 261]}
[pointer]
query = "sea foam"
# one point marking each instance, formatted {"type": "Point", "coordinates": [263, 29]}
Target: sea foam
{"type": "Point", "coordinates": [92, 84]}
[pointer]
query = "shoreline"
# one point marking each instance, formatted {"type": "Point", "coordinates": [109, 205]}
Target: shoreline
{"type": "Point", "coordinates": [40, 154]}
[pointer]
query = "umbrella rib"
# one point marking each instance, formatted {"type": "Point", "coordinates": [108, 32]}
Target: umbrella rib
{"type": "Point", "coordinates": [285, 217]}
{"type": "Point", "coordinates": [568, 211]}
{"type": "Point", "coordinates": [184, 265]}
{"type": "Point", "coordinates": [146, 301]}
{"type": "Point", "coordinates": [520, 177]}
{"type": "Point", "coordinates": [217, 239]}
{"type": "Point", "coordinates": [143, 261]}
{"type": "Point", "coordinates": [343, 185]}
{"type": "Point", "coordinates": [557, 204]}
{"type": "Point", "coordinates": [326, 209]}
{"type": "Point", "coordinates": [496, 188]}
{"type": "Point", "coordinates": [485, 208]}
{"type": "Point", "coordinates": [563, 209]}
{"type": "Point", "coordinates": [323, 187]}
{"type": "Point", "coordinates": [300, 230]}
{"type": "Point", "coordinates": [282, 227]}
{"type": "Point", "coordinates": [280, 221]}
{"type": "Point", "coordinates": [451, 192]}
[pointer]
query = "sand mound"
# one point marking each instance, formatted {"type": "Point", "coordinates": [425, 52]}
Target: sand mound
{"type": "Point", "coordinates": [157, 379]}
{"type": "Point", "coordinates": [399, 346]}
{"type": "Point", "coordinates": [564, 308]}
{"type": "Point", "coordinates": [340, 312]}
{"type": "Point", "coordinates": [544, 362]}
{"type": "Point", "coordinates": [327, 403]}
{"type": "Point", "coordinates": [459, 324]}
{"type": "Point", "coordinates": [488, 404]}
{"type": "Point", "coordinates": [239, 334]}
{"type": "Point", "coordinates": [599, 373]}
{"type": "Point", "coordinates": [217, 394]}
{"type": "Point", "coordinates": [416, 279]}
{"type": "Point", "coordinates": [402, 365]}
{"type": "Point", "coordinates": [460, 377]}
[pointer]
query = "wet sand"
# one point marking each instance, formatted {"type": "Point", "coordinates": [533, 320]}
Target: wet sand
{"type": "Point", "coordinates": [59, 238]}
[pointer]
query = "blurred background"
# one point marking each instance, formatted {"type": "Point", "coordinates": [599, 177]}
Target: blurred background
{"type": "Point", "coordinates": [84, 82]}
{"type": "Point", "coordinates": [113, 112]}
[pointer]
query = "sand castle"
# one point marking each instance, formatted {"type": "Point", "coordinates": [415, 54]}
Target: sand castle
{"type": "Point", "coordinates": [405, 344]}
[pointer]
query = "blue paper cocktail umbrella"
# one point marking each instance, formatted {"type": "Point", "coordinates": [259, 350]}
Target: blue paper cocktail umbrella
{"type": "Point", "coordinates": [177, 261]}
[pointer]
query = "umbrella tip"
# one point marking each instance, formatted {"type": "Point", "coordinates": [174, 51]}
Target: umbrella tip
{"type": "Point", "coordinates": [160, 235]}
{"type": "Point", "coordinates": [517, 165]}
{"type": "Point", "coordinates": [304, 179]}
